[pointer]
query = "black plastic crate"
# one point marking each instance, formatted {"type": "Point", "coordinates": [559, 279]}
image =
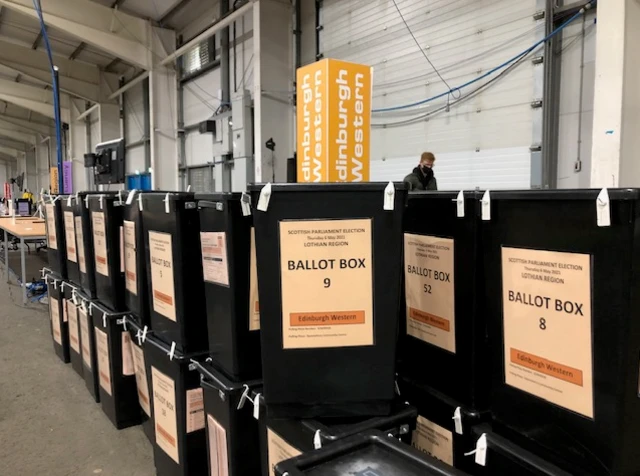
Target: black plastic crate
{"type": "Point", "coordinates": [283, 438]}
{"type": "Point", "coordinates": [106, 225]}
{"type": "Point", "coordinates": [231, 288]}
{"type": "Point", "coordinates": [503, 456]}
{"type": "Point", "coordinates": [57, 316]}
{"type": "Point", "coordinates": [171, 227]}
{"type": "Point", "coordinates": [443, 430]}
{"type": "Point", "coordinates": [116, 373]}
{"type": "Point", "coordinates": [84, 243]}
{"type": "Point", "coordinates": [563, 296]}
{"type": "Point", "coordinates": [232, 430]}
{"type": "Point", "coordinates": [88, 343]}
{"type": "Point", "coordinates": [75, 337]}
{"type": "Point", "coordinates": [70, 210]}
{"type": "Point", "coordinates": [180, 447]}
{"type": "Point", "coordinates": [444, 319]}
{"type": "Point", "coordinates": [136, 287]}
{"type": "Point", "coordinates": [54, 224]}
{"type": "Point", "coordinates": [367, 454]}
{"type": "Point", "coordinates": [324, 251]}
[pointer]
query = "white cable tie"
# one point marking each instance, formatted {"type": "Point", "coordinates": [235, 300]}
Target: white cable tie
{"type": "Point", "coordinates": [256, 407]}
{"type": "Point", "coordinates": [139, 337]}
{"type": "Point", "coordinates": [167, 204]}
{"type": "Point", "coordinates": [265, 196]}
{"type": "Point", "coordinates": [120, 197]}
{"type": "Point", "coordinates": [172, 351]}
{"type": "Point", "coordinates": [124, 323]}
{"type": "Point", "coordinates": [104, 320]}
{"type": "Point", "coordinates": [100, 199]}
{"type": "Point", "coordinates": [480, 451]}
{"type": "Point", "coordinates": [86, 201]}
{"type": "Point", "coordinates": [245, 203]}
{"type": "Point", "coordinates": [397, 388]}
{"type": "Point", "coordinates": [140, 202]}
{"type": "Point", "coordinates": [243, 397]}
{"type": "Point", "coordinates": [460, 204]}
{"type": "Point", "coordinates": [389, 197]}
{"type": "Point", "coordinates": [55, 283]}
{"type": "Point", "coordinates": [74, 297]}
{"type": "Point", "coordinates": [486, 206]}
{"type": "Point", "coordinates": [132, 194]}
{"type": "Point", "coordinates": [62, 286]}
{"type": "Point", "coordinates": [91, 306]}
{"type": "Point", "coordinates": [76, 197]}
{"type": "Point", "coordinates": [603, 209]}
{"type": "Point", "coordinates": [457, 421]}
{"type": "Point", "coordinates": [189, 188]}
{"type": "Point", "coordinates": [144, 334]}
{"type": "Point", "coordinates": [69, 200]}
{"type": "Point", "coordinates": [317, 441]}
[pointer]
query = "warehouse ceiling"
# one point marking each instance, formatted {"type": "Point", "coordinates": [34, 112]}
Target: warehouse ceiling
{"type": "Point", "coordinates": [23, 65]}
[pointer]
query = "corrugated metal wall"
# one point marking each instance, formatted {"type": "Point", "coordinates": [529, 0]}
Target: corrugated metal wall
{"type": "Point", "coordinates": [483, 141]}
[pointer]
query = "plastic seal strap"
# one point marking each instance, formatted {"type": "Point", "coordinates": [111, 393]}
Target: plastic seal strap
{"type": "Point", "coordinates": [457, 421]}
{"type": "Point", "coordinates": [172, 352]}
{"type": "Point", "coordinates": [139, 337]}
{"type": "Point", "coordinates": [460, 204]}
{"type": "Point", "coordinates": [602, 208]}
{"type": "Point", "coordinates": [486, 206]}
{"type": "Point", "coordinates": [144, 333]}
{"type": "Point", "coordinates": [245, 203]}
{"type": "Point", "coordinates": [244, 397]}
{"type": "Point", "coordinates": [389, 196]}
{"type": "Point", "coordinates": [55, 284]}
{"type": "Point", "coordinates": [397, 387]}
{"type": "Point", "coordinates": [86, 201]}
{"type": "Point", "coordinates": [189, 188]}
{"type": "Point", "coordinates": [91, 306]}
{"type": "Point", "coordinates": [256, 407]}
{"type": "Point", "coordinates": [104, 319]}
{"type": "Point", "coordinates": [100, 200]}
{"type": "Point", "coordinates": [140, 202]}
{"type": "Point", "coordinates": [132, 194]}
{"type": "Point", "coordinates": [119, 197]}
{"type": "Point", "coordinates": [480, 451]}
{"type": "Point", "coordinates": [265, 196]}
{"type": "Point", "coordinates": [74, 297]}
{"type": "Point", "coordinates": [124, 323]}
{"type": "Point", "coordinates": [69, 200]}
{"type": "Point", "coordinates": [317, 441]}
{"type": "Point", "coordinates": [167, 203]}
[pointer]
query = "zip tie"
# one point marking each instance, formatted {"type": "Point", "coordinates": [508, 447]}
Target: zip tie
{"type": "Point", "coordinates": [189, 188]}
{"type": "Point", "coordinates": [602, 208]}
{"type": "Point", "coordinates": [100, 199]}
{"type": "Point", "coordinates": [76, 197]}
{"type": "Point", "coordinates": [104, 320]}
{"type": "Point", "coordinates": [245, 203]}
{"type": "Point", "coordinates": [244, 397]}
{"type": "Point", "coordinates": [140, 202]}
{"type": "Point", "coordinates": [460, 204]}
{"type": "Point", "coordinates": [389, 196]}
{"type": "Point", "coordinates": [480, 451]}
{"type": "Point", "coordinates": [69, 200]}
{"type": "Point", "coordinates": [119, 197]}
{"type": "Point", "coordinates": [144, 334]}
{"type": "Point", "coordinates": [86, 201]}
{"type": "Point", "coordinates": [397, 388]}
{"type": "Point", "coordinates": [62, 287]}
{"type": "Point", "coordinates": [265, 196]}
{"type": "Point", "coordinates": [124, 323]}
{"type": "Point", "coordinates": [139, 337]}
{"type": "Point", "coordinates": [132, 194]}
{"type": "Point", "coordinates": [55, 284]}
{"type": "Point", "coordinates": [317, 441]}
{"type": "Point", "coordinates": [486, 206]}
{"type": "Point", "coordinates": [256, 407]}
{"type": "Point", "coordinates": [457, 420]}
{"type": "Point", "coordinates": [167, 204]}
{"type": "Point", "coordinates": [74, 297]}
{"type": "Point", "coordinates": [91, 306]}
{"type": "Point", "coordinates": [172, 351]}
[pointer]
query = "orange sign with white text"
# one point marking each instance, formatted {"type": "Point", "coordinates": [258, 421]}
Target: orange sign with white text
{"type": "Point", "coordinates": [334, 121]}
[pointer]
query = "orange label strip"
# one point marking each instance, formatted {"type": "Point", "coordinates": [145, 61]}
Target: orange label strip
{"type": "Point", "coordinates": [143, 397]}
{"type": "Point", "coordinates": [430, 319]}
{"type": "Point", "coordinates": [165, 434]}
{"type": "Point", "coordinates": [101, 260]}
{"type": "Point", "coordinates": [333, 318]}
{"type": "Point", "coordinates": [547, 367]}
{"type": "Point", "coordinates": [163, 297]}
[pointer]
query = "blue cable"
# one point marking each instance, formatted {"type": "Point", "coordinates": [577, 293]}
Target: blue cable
{"type": "Point", "coordinates": [491, 71]}
{"type": "Point", "coordinates": [56, 92]}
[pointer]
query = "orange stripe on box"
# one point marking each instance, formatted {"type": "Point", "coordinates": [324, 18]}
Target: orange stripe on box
{"type": "Point", "coordinates": [431, 319]}
{"type": "Point", "coordinates": [256, 307]}
{"type": "Point", "coordinates": [547, 367]}
{"type": "Point", "coordinates": [101, 260]}
{"type": "Point", "coordinates": [332, 318]}
{"type": "Point", "coordinates": [165, 298]}
{"type": "Point", "coordinates": [104, 377]}
{"type": "Point", "coordinates": [131, 275]}
{"type": "Point", "coordinates": [165, 434]}
{"type": "Point", "coordinates": [143, 397]}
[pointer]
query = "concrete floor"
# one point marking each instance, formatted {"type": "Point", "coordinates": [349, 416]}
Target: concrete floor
{"type": "Point", "coordinates": [49, 424]}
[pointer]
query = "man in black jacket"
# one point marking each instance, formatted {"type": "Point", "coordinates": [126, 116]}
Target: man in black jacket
{"type": "Point", "coordinates": [422, 177]}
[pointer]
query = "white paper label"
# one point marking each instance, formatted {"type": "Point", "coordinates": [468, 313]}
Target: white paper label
{"type": "Point", "coordinates": [121, 250]}
{"type": "Point", "coordinates": [52, 238]}
{"type": "Point", "coordinates": [80, 245]}
{"type": "Point", "coordinates": [127, 358]}
{"type": "Point", "coordinates": [104, 361]}
{"type": "Point", "coordinates": [100, 243]}
{"type": "Point", "coordinates": [54, 308]}
{"type": "Point", "coordinates": [84, 337]}
{"type": "Point", "coordinates": [161, 254]}
{"type": "Point", "coordinates": [74, 337]}
{"type": "Point", "coordinates": [195, 410]}
{"type": "Point", "coordinates": [433, 440]}
{"type": "Point", "coordinates": [164, 409]}
{"type": "Point", "coordinates": [141, 378]}
{"type": "Point", "coordinates": [215, 265]}
{"type": "Point", "coordinates": [70, 236]}
{"type": "Point", "coordinates": [279, 450]}
{"type": "Point", "coordinates": [65, 317]}
{"type": "Point", "coordinates": [218, 456]}
{"type": "Point", "coordinates": [130, 267]}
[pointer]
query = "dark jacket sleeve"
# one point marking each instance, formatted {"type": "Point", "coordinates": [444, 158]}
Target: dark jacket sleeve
{"type": "Point", "coordinates": [433, 184]}
{"type": "Point", "coordinates": [413, 182]}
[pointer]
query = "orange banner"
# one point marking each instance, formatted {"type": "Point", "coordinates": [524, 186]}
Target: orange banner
{"type": "Point", "coordinates": [334, 121]}
{"type": "Point", "coordinates": [547, 367]}
{"type": "Point", "coordinates": [430, 319]}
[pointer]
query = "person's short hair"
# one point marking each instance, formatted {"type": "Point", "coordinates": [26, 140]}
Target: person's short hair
{"type": "Point", "coordinates": [427, 156]}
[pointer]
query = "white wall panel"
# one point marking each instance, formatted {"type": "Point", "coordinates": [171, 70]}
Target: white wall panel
{"type": "Point", "coordinates": [574, 115]}
{"type": "Point", "coordinates": [201, 97]}
{"type": "Point", "coordinates": [199, 149]}
{"type": "Point", "coordinates": [134, 113]}
{"type": "Point", "coordinates": [487, 136]}
{"type": "Point", "coordinates": [135, 159]}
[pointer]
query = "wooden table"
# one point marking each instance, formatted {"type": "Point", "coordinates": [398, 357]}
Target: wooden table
{"type": "Point", "coordinates": [25, 229]}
